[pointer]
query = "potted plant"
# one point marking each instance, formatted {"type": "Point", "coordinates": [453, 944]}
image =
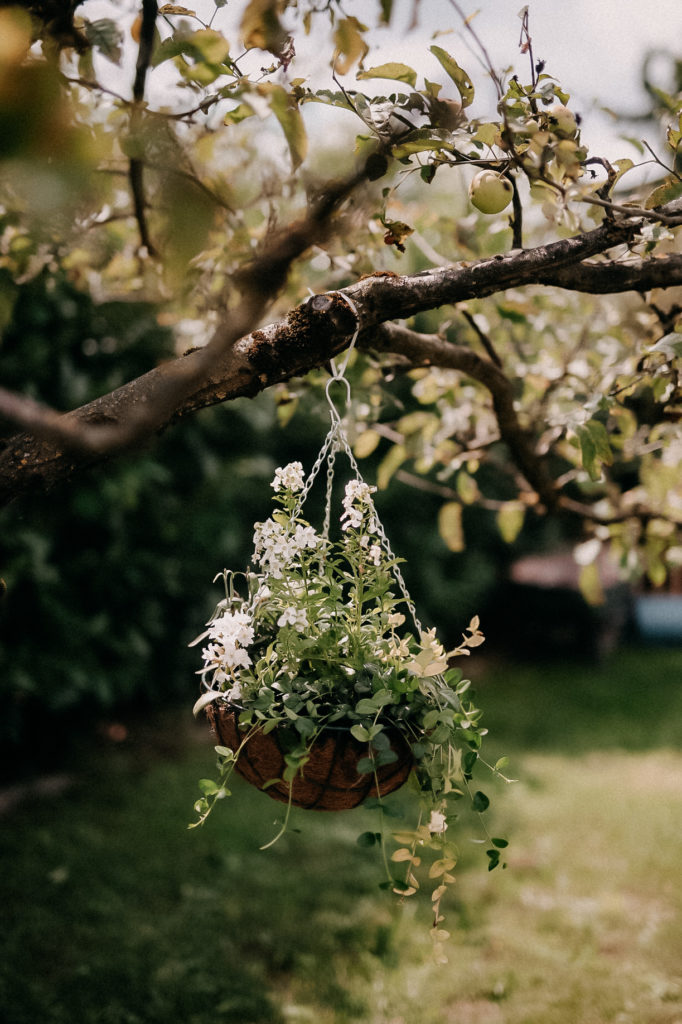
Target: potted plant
{"type": "Point", "coordinates": [321, 696]}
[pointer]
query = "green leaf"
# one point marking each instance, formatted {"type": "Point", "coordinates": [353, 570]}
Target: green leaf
{"type": "Point", "coordinates": [208, 787]}
{"type": "Point", "coordinates": [594, 447]}
{"type": "Point", "coordinates": [365, 766]}
{"type": "Point", "coordinates": [590, 586]}
{"type": "Point", "coordinates": [494, 856]}
{"type": "Point", "coordinates": [260, 26]}
{"type": "Point", "coordinates": [359, 733]}
{"type": "Point", "coordinates": [391, 462]}
{"type": "Point", "coordinates": [466, 487]}
{"type": "Point", "coordinates": [386, 10]}
{"type": "Point", "coordinates": [349, 43]}
{"type": "Point", "coordinates": [368, 839]}
{"type": "Point", "coordinates": [305, 726]}
{"type": "Point", "coordinates": [169, 48]}
{"type": "Point", "coordinates": [366, 442]}
{"type": "Point", "coordinates": [366, 706]}
{"type": "Point", "coordinates": [456, 73]}
{"type": "Point", "coordinates": [450, 525]}
{"type": "Point", "coordinates": [480, 802]}
{"type": "Point", "coordinates": [378, 738]}
{"type": "Point", "coordinates": [430, 719]}
{"type": "Point", "coordinates": [329, 98]}
{"type": "Point", "coordinates": [385, 757]}
{"type": "Point", "coordinates": [423, 140]}
{"type": "Point", "coordinates": [106, 36]}
{"type": "Point", "coordinates": [393, 70]}
{"type": "Point", "coordinates": [210, 46]}
{"type": "Point", "coordinates": [510, 520]}
{"type": "Point", "coordinates": [501, 844]}
{"type": "Point", "coordinates": [486, 133]}
{"type": "Point", "coordinates": [285, 109]}
{"type": "Point", "coordinates": [239, 114]}
{"type": "Point", "coordinates": [665, 193]}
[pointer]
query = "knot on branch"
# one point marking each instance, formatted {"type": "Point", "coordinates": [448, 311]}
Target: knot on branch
{"type": "Point", "coordinates": [311, 334]}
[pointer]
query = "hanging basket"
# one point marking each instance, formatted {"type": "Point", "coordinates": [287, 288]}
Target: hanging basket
{"type": "Point", "coordinates": [329, 780]}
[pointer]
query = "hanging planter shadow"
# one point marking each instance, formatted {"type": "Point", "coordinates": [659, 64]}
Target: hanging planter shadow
{"type": "Point", "coordinates": [329, 780]}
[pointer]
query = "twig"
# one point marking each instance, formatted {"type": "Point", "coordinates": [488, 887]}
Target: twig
{"type": "Point", "coordinates": [136, 172]}
{"type": "Point", "coordinates": [482, 337]}
{"type": "Point", "coordinates": [517, 216]}
{"type": "Point", "coordinates": [486, 61]}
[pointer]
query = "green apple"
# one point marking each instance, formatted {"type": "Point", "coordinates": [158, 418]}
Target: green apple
{"type": "Point", "coordinates": [490, 192]}
{"type": "Point", "coordinates": [562, 121]}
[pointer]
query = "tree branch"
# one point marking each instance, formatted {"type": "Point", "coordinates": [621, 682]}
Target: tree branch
{"type": "Point", "coordinates": [431, 350]}
{"type": "Point", "coordinates": [237, 362]}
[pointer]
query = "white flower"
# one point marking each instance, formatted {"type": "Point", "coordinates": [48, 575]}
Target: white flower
{"type": "Point", "coordinates": [290, 478]}
{"type": "Point", "coordinates": [358, 493]}
{"type": "Point", "coordinates": [374, 554]}
{"type": "Point", "coordinates": [437, 823]}
{"type": "Point", "coordinates": [276, 547]}
{"type": "Point", "coordinates": [232, 627]}
{"type": "Point", "coordinates": [296, 617]}
{"type": "Point", "coordinates": [357, 490]}
{"type": "Point", "coordinates": [230, 634]}
{"type": "Point", "coordinates": [213, 660]}
{"type": "Point", "coordinates": [305, 537]}
{"type": "Point", "coordinates": [262, 594]}
{"type": "Point", "coordinates": [235, 692]}
{"type": "Point", "coordinates": [353, 519]}
{"type": "Point", "coordinates": [235, 657]}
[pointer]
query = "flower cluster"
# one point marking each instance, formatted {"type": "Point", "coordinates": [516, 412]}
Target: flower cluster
{"type": "Point", "coordinates": [357, 506]}
{"type": "Point", "coordinates": [277, 545]}
{"type": "Point", "coordinates": [229, 634]}
{"type": "Point", "coordinates": [290, 478]}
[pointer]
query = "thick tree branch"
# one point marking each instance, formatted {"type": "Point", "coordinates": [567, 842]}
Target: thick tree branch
{"type": "Point", "coordinates": [237, 362]}
{"type": "Point", "coordinates": [607, 278]}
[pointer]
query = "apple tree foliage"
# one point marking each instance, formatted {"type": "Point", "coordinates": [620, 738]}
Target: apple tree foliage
{"type": "Point", "coordinates": [517, 294]}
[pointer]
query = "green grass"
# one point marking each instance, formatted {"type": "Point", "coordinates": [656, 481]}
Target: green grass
{"type": "Point", "coordinates": [114, 913]}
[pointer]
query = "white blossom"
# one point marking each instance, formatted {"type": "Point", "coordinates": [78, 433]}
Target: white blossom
{"type": "Point", "coordinates": [235, 692]}
{"type": "Point", "coordinates": [276, 547]}
{"type": "Point", "coordinates": [232, 627]}
{"type": "Point", "coordinates": [295, 617]}
{"type": "Point", "coordinates": [437, 822]}
{"type": "Point", "coordinates": [305, 537]}
{"type": "Point", "coordinates": [229, 635]}
{"type": "Point", "coordinates": [374, 554]}
{"type": "Point", "coordinates": [357, 494]}
{"type": "Point", "coordinates": [289, 478]}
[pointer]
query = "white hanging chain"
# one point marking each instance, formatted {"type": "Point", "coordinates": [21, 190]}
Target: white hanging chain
{"type": "Point", "coordinates": [337, 440]}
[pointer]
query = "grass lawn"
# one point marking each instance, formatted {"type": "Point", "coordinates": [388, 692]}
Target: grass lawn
{"type": "Point", "coordinates": [112, 912]}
